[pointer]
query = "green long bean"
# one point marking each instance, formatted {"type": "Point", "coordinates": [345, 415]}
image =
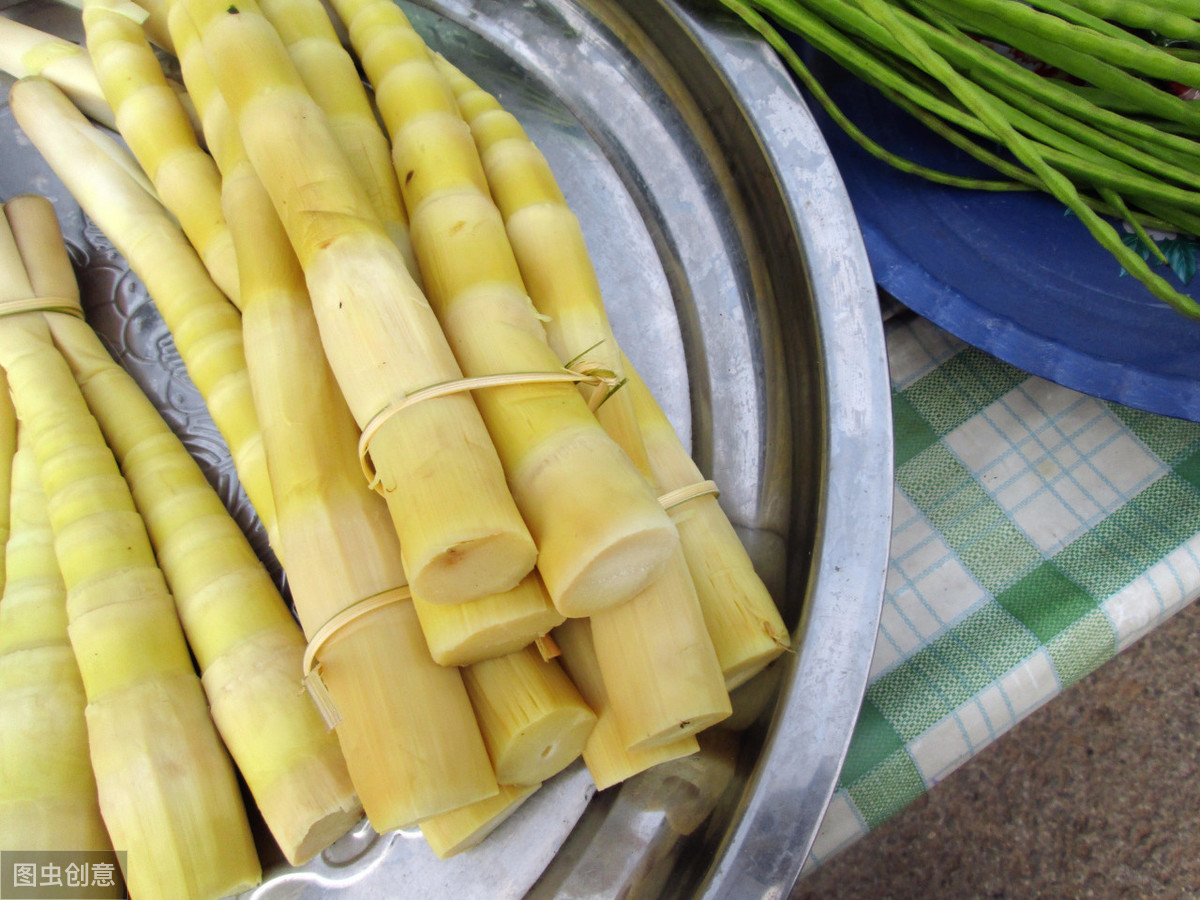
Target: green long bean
{"type": "Point", "coordinates": [1176, 20]}
{"type": "Point", "coordinates": [984, 105]}
{"type": "Point", "coordinates": [1132, 54]}
{"type": "Point", "coordinates": [1058, 94]}
{"type": "Point", "coordinates": [1154, 215]}
{"type": "Point", "coordinates": [1117, 146]}
{"type": "Point", "coordinates": [1074, 137]}
{"type": "Point", "coordinates": [1042, 99]}
{"type": "Point", "coordinates": [1075, 62]}
{"type": "Point", "coordinates": [970, 55]}
{"type": "Point", "coordinates": [814, 87]}
{"type": "Point", "coordinates": [1077, 137]}
{"type": "Point", "coordinates": [1074, 14]}
{"type": "Point", "coordinates": [1118, 203]}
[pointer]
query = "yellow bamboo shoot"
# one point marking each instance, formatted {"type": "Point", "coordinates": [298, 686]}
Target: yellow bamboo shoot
{"type": "Point", "coordinates": [747, 629]}
{"type": "Point", "coordinates": [159, 133]}
{"type": "Point", "coordinates": [533, 719]}
{"type": "Point", "coordinates": [332, 78]}
{"type": "Point", "coordinates": [25, 50]}
{"type": "Point", "coordinates": [48, 793]}
{"type": "Point", "coordinates": [461, 829]}
{"type": "Point", "coordinates": [607, 757]}
{"type": "Point", "coordinates": [465, 633]}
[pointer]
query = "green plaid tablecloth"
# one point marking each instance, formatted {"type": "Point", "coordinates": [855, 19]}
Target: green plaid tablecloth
{"type": "Point", "coordinates": [1037, 531]}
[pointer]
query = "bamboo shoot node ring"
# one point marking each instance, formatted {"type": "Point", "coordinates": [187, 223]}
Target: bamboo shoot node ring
{"type": "Point", "coordinates": [47, 54]}
{"type": "Point", "coordinates": [66, 305]}
{"type": "Point", "coordinates": [310, 669]}
{"type": "Point", "coordinates": [581, 374]}
{"type": "Point", "coordinates": [674, 498]}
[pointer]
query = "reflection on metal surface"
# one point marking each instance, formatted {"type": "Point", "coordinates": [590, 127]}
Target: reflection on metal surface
{"type": "Point", "coordinates": [731, 262]}
{"type": "Point", "coordinates": [366, 866]}
{"type": "Point", "coordinates": [348, 861]}
{"type": "Point", "coordinates": [634, 850]}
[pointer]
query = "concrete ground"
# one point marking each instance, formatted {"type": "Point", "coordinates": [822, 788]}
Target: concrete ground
{"type": "Point", "coordinates": [1095, 795]}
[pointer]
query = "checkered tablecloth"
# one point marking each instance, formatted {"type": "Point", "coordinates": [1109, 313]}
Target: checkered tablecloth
{"type": "Point", "coordinates": [1037, 531]}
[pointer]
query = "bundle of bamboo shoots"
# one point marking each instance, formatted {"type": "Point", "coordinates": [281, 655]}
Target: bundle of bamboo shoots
{"type": "Point", "coordinates": [166, 787]}
{"type": "Point", "coordinates": [406, 724]}
{"type": "Point", "coordinates": [457, 634]}
{"type": "Point", "coordinates": [460, 531]}
{"type": "Point", "coordinates": [663, 675]}
{"type": "Point", "coordinates": [558, 736]}
{"type": "Point", "coordinates": [740, 614]}
{"type": "Point", "coordinates": [412, 752]}
{"type": "Point", "coordinates": [601, 536]}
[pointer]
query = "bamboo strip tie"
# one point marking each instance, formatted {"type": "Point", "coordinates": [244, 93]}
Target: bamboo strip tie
{"type": "Point", "coordinates": [583, 374]}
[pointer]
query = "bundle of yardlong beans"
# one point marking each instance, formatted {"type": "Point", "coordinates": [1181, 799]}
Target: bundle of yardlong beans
{"type": "Point", "coordinates": [1112, 135]}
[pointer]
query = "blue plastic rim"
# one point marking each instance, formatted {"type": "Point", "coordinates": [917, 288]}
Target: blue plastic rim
{"type": "Point", "coordinates": [1013, 273]}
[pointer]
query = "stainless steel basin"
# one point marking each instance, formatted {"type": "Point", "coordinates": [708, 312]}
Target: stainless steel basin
{"type": "Point", "coordinates": [738, 284]}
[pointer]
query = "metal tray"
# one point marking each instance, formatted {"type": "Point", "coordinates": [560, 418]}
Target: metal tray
{"type": "Point", "coordinates": [739, 286]}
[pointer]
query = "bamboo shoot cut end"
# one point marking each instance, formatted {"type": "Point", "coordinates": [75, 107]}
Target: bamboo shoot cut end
{"type": "Point", "coordinates": [322, 833]}
{"type": "Point", "coordinates": [608, 760]}
{"type": "Point", "coordinates": [622, 571]}
{"type": "Point", "coordinates": [750, 666]}
{"type": "Point", "coordinates": [472, 569]}
{"type": "Point", "coordinates": [546, 747]}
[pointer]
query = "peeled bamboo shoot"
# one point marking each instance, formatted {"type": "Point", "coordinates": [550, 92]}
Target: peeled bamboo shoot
{"type": "Point", "coordinates": [157, 130]}
{"type": "Point", "coordinates": [25, 51]}
{"type": "Point", "coordinates": [461, 829]}
{"type": "Point", "coordinates": [747, 629]}
{"type": "Point", "coordinates": [465, 633]}
{"type": "Point", "coordinates": [659, 666]}
{"type": "Point", "coordinates": [331, 76]}
{"type": "Point", "coordinates": [606, 755]}
{"type": "Point", "coordinates": [48, 793]}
